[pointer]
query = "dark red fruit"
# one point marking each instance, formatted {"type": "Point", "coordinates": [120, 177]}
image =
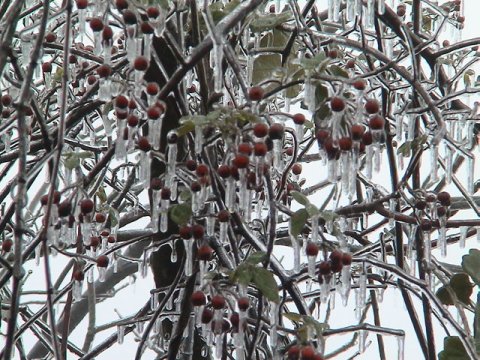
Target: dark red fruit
{"type": "Point", "coordinates": [143, 144]}
{"type": "Point", "coordinates": [276, 131]}
{"type": "Point", "coordinates": [372, 106]}
{"type": "Point", "coordinates": [241, 161]}
{"type": "Point", "coordinates": [367, 138]}
{"type": "Point", "coordinates": [96, 24]}
{"type": "Point", "coordinates": [256, 93]}
{"type": "Point", "coordinates": [165, 194]}
{"type": "Point", "coordinates": [294, 352]}
{"type": "Point", "coordinates": [7, 100]}
{"type": "Point", "coordinates": [129, 17]}
{"type": "Point", "coordinates": [199, 298]}
{"type": "Point", "coordinates": [223, 216]}
{"type": "Point", "coordinates": [7, 245]}
{"type": "Point", "coordinates": [337, 104]}
{"type": "Point", "coordinates": [204, 253]}
{"type": "Point", "coordinates": [185, 232]}
{"type": "Point", "coordinates": [195, 186]}
{"type": "Point", "coordinates": [121, 4]}
{"type": "Point", "coordinates": [443, 198]}
{"type": "Point", "coordinates": [153, 12]}
{"type": "Point", "coordinates": [431, 197]}
{"type": "Point", "coordinates": [356, 132]}
{"type": "Point", "coordinates": [140, 63]}
{"type": "Point", "coordinates": [325, 268]}
{"type": "Point", "coordinates": [401, 10]}
{"type": "Point", "coordinates": [243, 303]}
{"type": "Point", "coordinates": [350, 64]}
{"type": "Point", "coordinates": [299, 119]}
{"type": "Point", "coordinates": [260, 149]}
{"type": "Point", "coordinates": [78, 275]}
{"type": "Point", "coordinates": [289, 151]}
{"type": "Point", "coordinates": [359, 84]}
{"type": "Point", "coordinates": [322, 136]}
{"type": "Point", "coordinates": [152, 88]}
{"type": "Point", "coordinates": [202, 170]}
{"type": "Point", "coordinates": [345, 143]}
{"type": "Point", "coordinates": [100, 217]}
{"type": "Point", "coordinates": [64, 208]}
{"type": "Point", "coordinates": [198, 231]}
{"type": "Point", "coordinates": [312, 249]}
{"type": "Point", "coordinates": [207, 316]}
{"type": "Point", "coordinates": [91, 79]}
{"type": "Point", "coordinates": [102, 261]}
{"type": "Point", "coordinates": [421, 205]}
{"type": "Point", "coordinates": [218, 302]}
{"type": "Point", "coordinates": [297, 169]}
{"type": "Point", "coordinates": [81, 4]}
{"type": "Point", "coordinates": [260, 130]}
{"type": "Point", "coordinates": [223, 171]}
{"type": "Point", "coordinates": [308, 353]}
{"type": "Point", "coordinates": [376, 122]}
{"type": "Point", "coordinates": [86, 206]}
{"type": "Point", "coordinates": [132, 120]}
{"type": "Point", "coordinates": [146, 28]}
{"type": "Point", "coordinates": [191, 165]}
{"type": "Point", "coordinates": [104, 71]}
{"type": "Point", "coordinates": [95, 241]}
{"type": "Point", "coordinates": [50, 37]}
{"type": "Point", "coordinates": [244, 148]}
{"type": "Point", "coordinates": [346, 259]}
{"type": "Point", "coordinates": [441, 211]}
{"type": "Point", "coordinates": [153, 112]}
{"type": "Point", "coordinates": [336, 256]}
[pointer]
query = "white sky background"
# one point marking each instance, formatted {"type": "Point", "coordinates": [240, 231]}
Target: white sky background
{"type": "Point", "coordinates": [392, 309]}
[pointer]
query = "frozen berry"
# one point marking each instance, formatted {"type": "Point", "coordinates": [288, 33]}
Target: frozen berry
{"type": "Point", "coordinates": [96, 24]}
{"type": "Point", "coordinates": [311, 249]}
{"type": "Point", "coordinates": [359, 84]}
{"type": "Point", "coordinates": [143, 144]}
{"type": "Point", "coordinates": [81, 4]}
{"type": "Point", "coordinates": [241, 161]}
{"type": "Point", "coordinates": [202, 170]}
{"type": "Point", "coordinates": [376, 122]}
{"type": "Point", "coordinates": [256, 93]}
{"type": "Point", "coordinates": [185, 232]}
{"type": "Point", "coordinates": [100, 217]}
{"type": "Point", "coordinates": [132, 120]}
{"type": "Point", "coordinates": [346, 259]}
{"type": "Point", "coordinates": [121, 4]}
{"type": "Point", "coordinates": [299, 119]}
{"type": "Point", "coordinates": [243, 303]}
{"type": "Point", "coordinates": [7, 245]}
{"type": "Point", "coordinates": [443, 198]}
{"type": "Point", "coordinates": [218, 302]}
{"type": "Point", "coordinates": [276, 131]}
{"type": "Point", "coordinates": [223, 171]}
{"type": "Point", "coordinates": [102, 261]}
{"type": "Point", "coordinates": [308, 353]}
{"type": "Point", "coordinates": [244, 148]}
{"type": "Point", "coordinates": [152, 88]}
{"type": "Point", "coordinates": [322, 135]}
{"type": "Point", "coordinates": [78, 275]}
{"type": "Point", "coordinates": [153, 112]}
{"type": "Point", "coordinates": [325, 267]}
{"type": "Point", "coordinates": [441, 211]}
{"type": "Point", "coordinates": [199, 298]}
{"type": "Point", "coordinates": [50, 37]}
{"type": "Point", "coordinates": [345, 143]}
{"type": "Point", "coordinates": [86, 206]}
{"type": "Point", "coordinates": [65, 208]}
{"type": "Point", "coordinates": [204, 253]}
{"type": "Point", "coordinates": [198, 231]}
{"type": "Point", "coordinates": [297, 169]}
{"type": "Point", "coordinates": [129, 17]}
{"type": "Point", "coordinates": [6, 100]}
{"type": "Point", "coordinates": [47, 67]}
{"type": "Point", "coordinates": [293, 353]}
{"type": "Point", "coordinates": [421, 205]}
{"type": "Point", "coordinates": [337, 104]}
{"type": "Point", "coordinates": [195, 186]}
{"type": "Point", "coordinates": [153, 12]}
{"type": "Point", "coordinates": [146, 28]}
{"type": "Point", "coordinates": [190, 165]}
{"type": "Point", "coordinates": [367, 138]}
{"type": "Point", "coordinates": [372, 106]}
{"type": "Point", "coordinates": [260, 149]}
{"type": "Point", "coordinates": [207, 316]}
{"type": "Point", "coordinates": [223, 216]}
{"type": "Point", "coordinates": [401, 10]}
{"type": "Point", "coordinates": [350, 64]}
{"type": "Point", "coordinates": [104, 71]}
{"type": "Point", "coordinates": [260, 130]}
{"type": "Point", "coordinates": [140, 63]}
{"type": "Point", "coordinates": [165, 194]}
{"type": "Point", "coordinates": [356, 132]}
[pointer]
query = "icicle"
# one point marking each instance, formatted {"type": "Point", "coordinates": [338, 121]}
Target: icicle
{"type": "Point", "coordinates": [332, 170]}
{"type": "Point", "coordinates": [120, 145]}
{"type": "Point", "coordinates": [369, 161]}
{"type": "Point", "coordinates": [277, 155]}
{"type": "Point", "coordinates": [154, 301]}
{"type": "Point", "coordinates": [102, 272]}
{"type": "Point", "coordinates": [172, 159]}
{"type": "Point", "coordinates": [147, 44]}
{"type": "Point", "coordinates": [463, 236]}
{"type": "Point", "coordinates": [350, 10]}
{"type": "Point", "coordinates": [345, 170]}
{"type": "Point", "coordinates": [401, 347]}
{"type": "Point", "coordinates": [336, 10]}
{"type": "Point", "coordinates": [164, 204]}
{"type": "Point", "coordinates": [145, 166]}
{"type": "Point", "coordinates": [273, 324]}
{"type": "Point", "coordinates": [199, 139]}
{"type": "Point", "coordinates": [362, 339]}
{"type": "Point", "coordinates": [325, 288]}
{"type": "Point", "coordinates": [370, 14]}
{"type": "Point", "coordinates": [131, 43]}
{"type": "Point", "coordinates": [427, 245]}
{"type": "Point", "coordinates": [315, 228]}
{"type": "Point", "coordinates": [361, 295]}
{"type": "Point", "coordinates": [434, 163]}
{"type": "Point", "coordinates": [173, 254]}
{"type": "Point", "coordinates": [230, 194]}
{"type": "Point", "coordinates": [478, 234]}
{"type": "Point", "coordinates": [203, 265]}
{"type": "Point", "coordinates": [309, 96]}
{"type": "Point", "coordinates": [312, 262]}
{"type": "Point", "coordinates": [77, 289]}
{"type": "Point", "coordinates": [120, 333]}
{"type": "Point", "coordinates": [211, 220]}
{"type": "Point", "coordinates": [448, 163]}
{"type": "Point", "coordinates": [345, 284]}
{"type": "Point", "coordinates": [393, 206]}
{"type": "Point", "coordinates": [381, 7]}
{"type": "Point", "coordinates": [330, 10]}
{"type": "Point", "coordinates": [188, 243]}
{"type": "Point", "coordinates": [470, 175]}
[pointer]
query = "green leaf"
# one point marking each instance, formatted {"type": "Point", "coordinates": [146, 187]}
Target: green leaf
{"type": "Point", "coordinates": [242, 274]}
{"type": "Point", "coordinates": [256, 257]}
{"type": "Point", "coordinates": [295, 72]}
{"type": "Point", "coordinates": [300, 198]}
{"type": "Point", "coordinates": [297, 221]}
{"type": "Point", "coordinates": [462, 287]}
{"type": "Point", "coordinates": [323, 113]}
{"type": "Point", "coordinates": [293, 316]}
{"type": "Point", "coordinates": [101, 194]}
{"type": "Point", "coordinates": [321, 94]}
{"type": "Point", "coordinates": [113, 217]}
{"type": "Point", "coordinates": [317, 60]}
{"type": "Point", "coordinates": [444, 296]}
{"type": "Point", "coordinates": [181, 213]}
{"type": "Point", "coordinates": [476, 323]}
{"type": "Point", "coordinates": [264, 66]}
{"type": "Point", "coordinates": [185, 128]}
{"type": "Point", "coordinates": [338, 71]}
{"type": "Point", "coordinates": [328, 215]}
{"type": "Point", "coordinates": [71, 162]}
{"type": "Point", "coordinates": [264, 281]}
{"type": "Point", "coordinates": [312, 210]}
{"type": "Point", "coordinates": [275, 39]}
{"type": "Point", "coordinates": [405, 149]}
{"type": "Point", "coordinates": [471, 265]}
{"type": "Point", "coordinates": [270, 21]}
{"type": "Point", "coordinates": [453, 349]}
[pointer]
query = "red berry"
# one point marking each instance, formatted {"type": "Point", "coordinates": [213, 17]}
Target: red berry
{"type": "Point", "coordinates": [140, 63]}
{"type": "Point", "coordinates": [129, 17]}
{"type": "Point", "coordinates": [260, 130]}
{"type": "Point", "coordinates": [441, 211]}
{"type": "Point", "coordinates": [78, 275]}
{"type": "Point", "coordinates": [102, 261]}
{"type": "Point", "coordinates": [100, 217]}
{"type": "Point", "coordinates": [153, 112]}
{"type": "Point", "coordinates": [289, 151]}
{"type": "Point", "coordinates": [153, 12]}
{"type": "Point", "coordinates": [207, 316]}
{"type": "Point", "coordinates": [223, 216]}
{"type": "Point", "coordinates": [91, 79]}
{"type": "Point", "coordinates": [322, 136]}
{"type": "Point", "coordinates": [244, 148]}
{"type": "Point", "coordinates": [256, 93]}
{"type": "Point", "coordinates": [376, 122]}
{"type": "Point", "coordinates": [82, 4]}
{"type": "Point", "coordinates": [195, 186]}
{"type": "Point", "coordinates": [132, 120]}
{"type": "Point", "coordinates": [104, 71]}
{"type": "Point", "coordinates": [204, 253]}
{"type": "Point", "coordinates": [294, 352]}
{"type": "Point", "coordinates": [198, 298]}
{"type": "Point", "coordinates": [356, 132]}
{"type": "Point", "coordinates": [243, 303]}
{"type": "Point", "coordinates": [311, 249]}
{"type": "Point", "coordinates": [7, 245]}
{"type": "Point", "coordinates": [165, 194]}
{"type": "Point", "coordinates": [367, 138]}
{"type": "Point", "coordinates": [185, 232]}
{"type": "Point", "coordinates": [325, 267]}
{"type": "Point", "coordinates": [95, 241]}
{"type": "Point", "coordinates": [443, 198]}
{"type": "Point", "coordinates": [202, 170]}
{"type": "Point", "coordinates": [7, 100]}
{"type": "Point", "coordinates": [121, 4]}
{"type": "Point", "coordinates": [50, 37]}
{"type": "Point", "coordinates": [345, 144]}
{"type": "Point", "coordinates": [297, 169]}
{"type": "Point", "coordinates": [333, 54]}
{"type": "Point", "coordinates": [143, 144]}
{"type": "Point", "coordinates": [218, 302]}
{"type": "Point", "coordinates": [152, 88]}
{"type": "Point", "coordinates": [308, 353]}
{"type": "Point", "coordinates": [241, 161]}
{"type": "Point", "coordinates": [64, 208]}
{"type": "Point", "coordinates": [86, 206]}
{"type": "Point", "coordinates": [260, 149]}
{"type": "Point", "coordinates": [336, 256]}
{"type": "Point", "coordinates": [350, 64]}
{"type": "Point", "coordinates": [337, 104]}
{"type": "Point", "coordinates": [146, 28]}
{"type": "Point", "coordinates": [299, 119]}
{"type": "Point", "coordinates": [47, 67]}
{"type": "Point", "coordinates": [96, 24]}
{"type": "Point", "coordinates": [421, 205]}
{"type": "Point", "coordinates": [198, 231]}
{"type": "Point", "coordinates": [191, 165]}
{"type": "Point", "coordinates": [431, 197]}
{"type": "Point", "coordinates": [346, 259]}
{"type": "Point", "coordinates": [401, 10]}
{"type": "Point", "coordinates": [107, 33]}
{"type": "Point", "coordinates": [359, 84]}
{"type": "Point", "coordinates": [223, 171]}
{"type": "Point", "coordinates": [235, 320]}
{"type": "Point", "coordinates": [372, 106]}
{"type": "Point", "coordinates": [276, 131]}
